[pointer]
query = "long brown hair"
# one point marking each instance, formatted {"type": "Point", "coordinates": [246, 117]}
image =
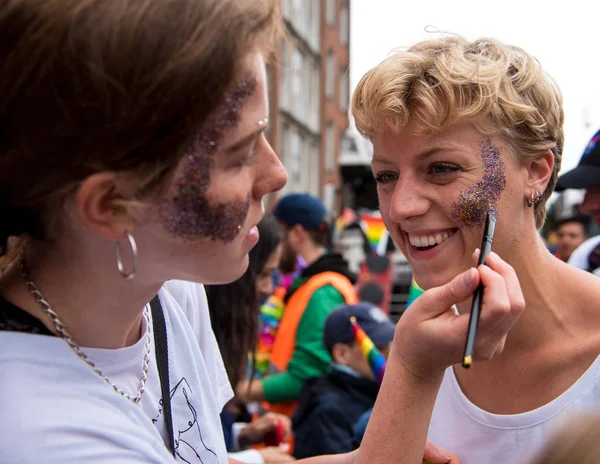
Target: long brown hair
{"type": "Point", "coordinates": [234, 307]}
{"type": "Point", "coordinates": [101, 85]}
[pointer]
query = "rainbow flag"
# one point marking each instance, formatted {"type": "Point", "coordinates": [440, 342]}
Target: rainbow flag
{"type": "Point", "coordinates": [346, 218]}
{"type": "Point", "coordinates": [413, 292]}
{"type": "Point", "coordinates": [369, 350]}
{"type": "Point", "coordinates": [270, 316]}
{"type": "Point", "coordinates": [374, 229]}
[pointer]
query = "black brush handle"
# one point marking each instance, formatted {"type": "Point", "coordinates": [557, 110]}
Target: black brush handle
{"type": "Point", "coordinates": [476, 303]}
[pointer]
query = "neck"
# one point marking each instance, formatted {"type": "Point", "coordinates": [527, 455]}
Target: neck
{"type": "Point", "coordinates": [540, 276]}
{"type": "Point", "coordinates": [98, 308]}
{"type": "Point", "coordinates": [312, 253]}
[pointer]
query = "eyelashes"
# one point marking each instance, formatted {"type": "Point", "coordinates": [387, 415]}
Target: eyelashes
{"type": "Point", "coordinates": [385, 178]}
{"type": "Point", "coordinates": [437, 170]}
{"type": "Point", "coordinates": [441, 169]}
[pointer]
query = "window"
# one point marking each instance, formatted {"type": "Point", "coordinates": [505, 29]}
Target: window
{"type": "Point", "coordinates": [297, 8]}
{"type": "Point", "coordinates": [344, 89]}
{"type": "Point", "coordinates": [314, 24]}
{"type": "Point", "coordinates": [285, 76]}
{"type": "Point", "coordinates": [329, 197]}
{"type": "Point", "coordinates": [330, 74]}
{"type": "Point", "coordinates": [344, 24]}
{"type": "Point", "coordinates": [342, 137]}
{"type": "Point", "coordinates": [329, 147]}
{"type": "Point", "coordinates": [315, 168]}
{"type": "Point", "coordinates": [296, 157]}
{"type": "Point", "coordinates": [315, 96]}
{"type": "Point", "coordinates": [349, 144]}
{"type": "Point", "coordinates": [330, 12]}
{"type": "Point", "coordinates": [297, 67]}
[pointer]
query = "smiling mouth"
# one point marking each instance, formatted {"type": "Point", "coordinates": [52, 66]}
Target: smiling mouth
{"type": "Point", "coordinates": [427, 242]}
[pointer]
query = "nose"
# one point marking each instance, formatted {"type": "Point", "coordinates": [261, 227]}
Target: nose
{"type": "Point", "coordinates": [407, 200]}
{"type": "Point", "coordinates": [271, 173]}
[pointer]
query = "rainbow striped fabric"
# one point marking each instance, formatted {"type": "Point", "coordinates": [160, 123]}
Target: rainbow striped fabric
{"type": "Point", "coordinates": [369, 350]}
{"type": "Point", "coordinates": [270, 316]}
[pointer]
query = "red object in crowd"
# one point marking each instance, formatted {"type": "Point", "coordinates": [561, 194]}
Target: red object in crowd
{"type": "Point", "coordinates": [277, 436]}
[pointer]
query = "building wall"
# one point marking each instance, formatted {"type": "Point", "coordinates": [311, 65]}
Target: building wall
{"type": "Point", "coordinates": [308, 114]}
{"type": "Point", "coordinates": [335, 89]}
{"type": "Point", "coordinates": [296, 126]}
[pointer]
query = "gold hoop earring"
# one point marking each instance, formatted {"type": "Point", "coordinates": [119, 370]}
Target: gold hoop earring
{"type": "Point", "coordinates": [120, 267]}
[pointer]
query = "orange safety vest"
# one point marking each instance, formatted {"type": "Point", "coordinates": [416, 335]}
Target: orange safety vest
{"type": "Point", "coordinates": [285, 340]}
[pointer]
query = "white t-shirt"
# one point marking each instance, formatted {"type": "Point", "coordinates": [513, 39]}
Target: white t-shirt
{"type": "Point", "coordinates": [579, 258]}
{"type": "Point", "coordinates": [55, 409]}
{"type": "Point", "coordinates": [479, 437]}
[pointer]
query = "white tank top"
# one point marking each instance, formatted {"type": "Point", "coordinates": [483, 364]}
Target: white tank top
{"type": "Point", "coordinates": [480, 437]}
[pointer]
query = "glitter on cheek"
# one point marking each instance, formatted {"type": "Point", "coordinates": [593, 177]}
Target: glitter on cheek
{"type": "Point", "coordinates": [227, 219]}
{"type": "Point", "coordinates": [191, 213]}
{"type": "Point", "coordinates": [473, 204]}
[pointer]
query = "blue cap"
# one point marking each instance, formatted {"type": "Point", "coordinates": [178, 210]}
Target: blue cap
{"type": "Point", "coordinates": [376, 324]}
{"type": "Point", "coordinates": [587, 173]}
{"type": "Point", "coordinates": [303, 209]}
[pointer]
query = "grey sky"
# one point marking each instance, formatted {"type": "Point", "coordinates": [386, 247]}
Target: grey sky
{"type": "Point", "coordinates": [564, 36]}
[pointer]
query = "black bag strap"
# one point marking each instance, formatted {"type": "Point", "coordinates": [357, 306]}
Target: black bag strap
{"type": "Point", "coordinates": [162, 360]}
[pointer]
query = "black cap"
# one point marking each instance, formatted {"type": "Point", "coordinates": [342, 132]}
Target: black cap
{"type": "Point", "coordinates": [376, 324]}
{"type": "Point", "coordinates": [587, 173]}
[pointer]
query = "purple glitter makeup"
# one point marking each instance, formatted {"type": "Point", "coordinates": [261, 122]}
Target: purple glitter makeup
{"type": "Point", "coordinates": [473, 204]}
{"type": "Point", "coordinates": [191, 213]}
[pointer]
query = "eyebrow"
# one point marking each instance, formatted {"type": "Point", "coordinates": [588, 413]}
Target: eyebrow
{"type": "Point", "coordinates": [420, 157]}
{"type": "Point", "coordinates": [246, 140]}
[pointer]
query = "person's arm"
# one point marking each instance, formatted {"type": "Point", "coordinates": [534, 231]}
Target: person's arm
{"type": "Point", "coordinates": [348, 458]}
{"type": "Point", "coordinates": [310, 358]}
{"type": "Point", "coordinates": [429, 338]}
{"type": "Point", "coordinates": [246, 457]}
{"type": "Point", "coordinates": [256, 431]}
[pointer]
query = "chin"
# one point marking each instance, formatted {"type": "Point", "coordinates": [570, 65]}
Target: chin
{"type": "Point", "coordinates": [218, 273]}
{"type": "Point", "coordinates": [229, 273]}
{"type": "Point", "coordinates": [427, 280]}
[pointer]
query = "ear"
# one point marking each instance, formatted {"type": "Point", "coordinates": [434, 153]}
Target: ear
{"type": "Point", "coordinates": [341, 353]}
{"type": "Point", "coordinates": [539, 172]}
{"type": "Point", "coordinates": [296, 234]}
{"type": "Point", "coordinates": [99, 204]}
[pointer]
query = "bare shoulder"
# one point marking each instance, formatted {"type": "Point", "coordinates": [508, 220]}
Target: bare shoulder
{"type": "Point", "coordinates": [582, 300]}
{"type": "Point", "coordinates": [582, 287]}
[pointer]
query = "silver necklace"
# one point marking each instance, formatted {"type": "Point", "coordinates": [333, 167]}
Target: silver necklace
{"type": "Point", "coordinates": [64, 334]}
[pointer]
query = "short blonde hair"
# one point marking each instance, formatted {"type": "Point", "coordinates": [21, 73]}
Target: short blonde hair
{"type": "Point", "coordinates": [448, 80]}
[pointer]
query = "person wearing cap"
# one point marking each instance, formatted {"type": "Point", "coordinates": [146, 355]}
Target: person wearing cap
{"type": "Point", "coordinates": [331, 405]}
{"type": "Point", "coordinates": [326, 282]}
{"type": "Point", "coordinates": [586, 176]}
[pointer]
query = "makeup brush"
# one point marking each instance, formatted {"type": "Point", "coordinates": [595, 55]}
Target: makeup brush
{"type": "Point", "coordinates": [486, 247]}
